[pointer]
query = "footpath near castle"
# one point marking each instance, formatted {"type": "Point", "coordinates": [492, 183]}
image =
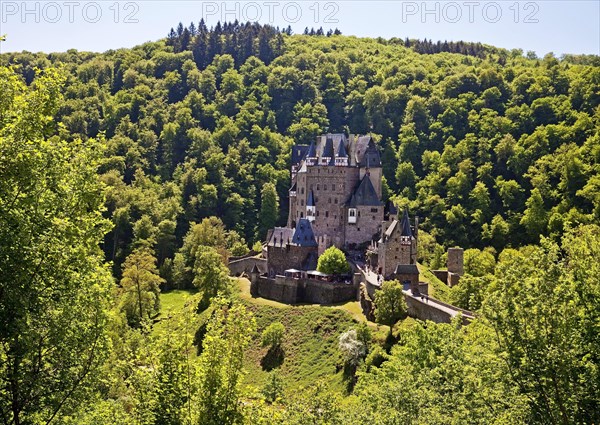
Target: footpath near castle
{"type": "Point", "coordinates": [335, 199]}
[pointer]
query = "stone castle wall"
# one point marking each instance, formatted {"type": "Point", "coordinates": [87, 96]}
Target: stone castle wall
{"type": "Point", "coordinates": [368, 222]}
{"type": "Point", "coordinates": [393, 253]}
{"type": "Point", "coordinates": [329, 184]}
{"type": "Point", "coordinates": [298, 291]}
{"type": "Point", "coordinates": [287, 257]}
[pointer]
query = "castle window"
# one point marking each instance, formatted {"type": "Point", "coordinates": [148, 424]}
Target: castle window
{"type": "Point", "coordinates": [302, 203]}
{"type": "Point", "coordinates": [352, 215]}
{"type": "Point", "coordinates": [318, 186]}
{"type": "Point", "coordinates": [359, 213]}
{"type": "Point", "coordinates": [301, 214]}
{"type": "Point", "coordinates": [302, 191]}
{"type": "Point", "coordinates": [326, 213]}
{"type": "Point", "coordinates": [374, 210]}
{"type": "Point", "coordinates": [324, 187]}
{"type": "Point", "coordinates": [335, 200]}
{"type": "Point", "coordinates": [330, 200]}
{"type": "Point", "coordinates": [317, 213]}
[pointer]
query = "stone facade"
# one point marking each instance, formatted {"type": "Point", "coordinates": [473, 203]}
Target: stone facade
{"type": "Point", "coordinates": [296, 291]}
{"type": "Point", "coordinates": [455, 261]}
{"type": "Point", "coordinates": [292, 249]}
{"type": "Point", "coordinates": [336, 184]}
{"type": "Point", "coordinates": [455, 268]}
{"type": "Point", "coordinates": [408, 275]}
{"type": "Point", "coordinates": [398, 245]}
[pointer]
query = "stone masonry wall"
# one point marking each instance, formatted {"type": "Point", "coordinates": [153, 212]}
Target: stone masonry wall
{"type": "Point", "coordinates": [281, 259]}
{"type": "Point", "coordinates": [367, 225]}
{"type": "Point", "coordinates": [296, 291]}
{"type": "Point", "coordinates": [332, 187]}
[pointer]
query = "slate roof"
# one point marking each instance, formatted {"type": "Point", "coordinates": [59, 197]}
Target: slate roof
{"type": "Point", "coordinates": [405, 225]}
{"type": "Point", "coordinates": [341, 150]}
{"type": "Point", "coordinates": [304, 235]}
{"type": "Point", "coordinates": [298, 153]}
{"type": "Point", "coordinates": [406, 269]}
{"type": "Point", "coordinates": [391, 228]}
{"type": "Point", "coordinates": [328, 148]}
{"type": "Point", "coordinates": [365, 194]}
{"type": "Point", "coordinates": [281, 236]}
{"type": "Point", "coordinates": [391, 208]}
{"type": "Point", "coordinates": [311, 199]}
{"type": "Point", "coordinates": [312, 151]}
{"type": "Point", "coordinates": [367, 154]}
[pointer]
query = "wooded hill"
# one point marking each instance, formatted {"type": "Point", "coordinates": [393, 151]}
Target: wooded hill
{"type": "Point", "coordinates": [488, 147]}
{"type": "Point", "coordinates": [142, 149]}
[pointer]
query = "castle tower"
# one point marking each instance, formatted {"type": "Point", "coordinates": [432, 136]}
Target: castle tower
{"type": "Point", "coordinates": [292, 204]}
{"type": "Point", "coordinates": [455, 261]}
{"type": "Point", "coordinates": [341, 156]}
{"type": "Point", "coordinates": [311, 155]}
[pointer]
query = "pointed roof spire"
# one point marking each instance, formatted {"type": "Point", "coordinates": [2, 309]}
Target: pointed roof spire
{"type": "Point", "coordinates": [311, 199]}
{"type": "Point", "coordinates": [405, 225]}
{"type": "Point", "coordinates": [341, 150]}
{"type": "Point", "coordinates": [304, 235]}
{"type": "Point", "coordinates": [312, 150]}
{"type": "Point", "coordinates": [255, 269]}
{"type": "Point", "coordinates": [365, 194]}
{"type": "Point", "coordinates": [328, 148]}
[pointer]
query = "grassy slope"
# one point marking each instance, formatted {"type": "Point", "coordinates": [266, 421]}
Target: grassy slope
{"type": "Point", "coordinates": [437, 288]}
{"type": "Point", "coordinates": [310, 341]}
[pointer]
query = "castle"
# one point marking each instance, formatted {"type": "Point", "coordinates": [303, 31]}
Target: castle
{"type": "Point", "coordinates": [335, 199]}
{"type": "Point", "coordinates": [336, 186]}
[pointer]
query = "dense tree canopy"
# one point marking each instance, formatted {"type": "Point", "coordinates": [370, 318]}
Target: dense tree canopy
{"type": "Point", "coordinates": [165, 159]}
{"type": "Point", "coordinates": [492, 148]}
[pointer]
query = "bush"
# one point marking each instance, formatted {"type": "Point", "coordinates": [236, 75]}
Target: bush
{"type": "Point", "coordinates": [272, 336]}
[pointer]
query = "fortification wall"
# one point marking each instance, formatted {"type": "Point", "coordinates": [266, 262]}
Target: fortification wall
{"type": "Point", "coordinates": [426, 310]}
{"type": "Point", "coordinates": [297, 291]}
{"type": "Point", "coordinates": [449, 278]}
{"type": "Point", "coordinates": [441, 275]}
{"type": "Point", "coordinates": [244, 265]}
{"type": "Point", "coordinates": [278, 289]}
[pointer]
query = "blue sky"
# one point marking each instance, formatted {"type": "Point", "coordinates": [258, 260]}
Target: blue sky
{"type": "Point", "coordinates": [541, 26]}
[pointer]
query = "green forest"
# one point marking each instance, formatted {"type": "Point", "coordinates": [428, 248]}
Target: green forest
{"type": "Point", "coordinates": [129, 177]}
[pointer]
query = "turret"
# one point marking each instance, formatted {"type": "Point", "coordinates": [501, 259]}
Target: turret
{"type": "Point", "coordinates": [311, 155]}
{"type": "Point", "coordinates": [341, 156]}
